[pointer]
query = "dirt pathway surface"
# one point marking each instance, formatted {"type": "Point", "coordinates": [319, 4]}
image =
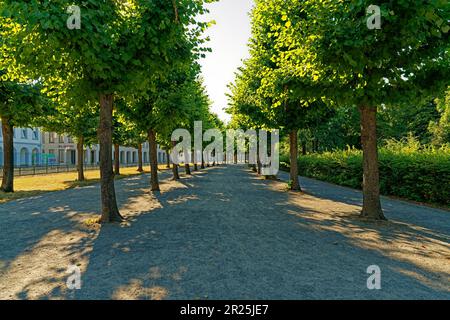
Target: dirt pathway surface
{"type": "Point", "coordinates": [222, 234]}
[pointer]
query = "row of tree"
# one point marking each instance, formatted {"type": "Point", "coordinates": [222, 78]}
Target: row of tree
{"type": "Point", "coordinates": [338, 128]}
{"type": "Point", "coordinates": [311, 60]}
{"type": "Point", "coordinates": [128, 74]}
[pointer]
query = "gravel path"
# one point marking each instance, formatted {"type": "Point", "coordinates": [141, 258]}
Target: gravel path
{"type": "Point", "coordinates": [222, 234]}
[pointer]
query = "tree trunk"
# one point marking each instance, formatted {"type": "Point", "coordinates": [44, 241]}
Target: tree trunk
{"type": "Point", "coordinates": [258, 164]}
{"type": "Point", "coordinates": [195, 167]}
{"type": "Point", "coordinates": [153, 160]}
{"type": "Point", "coordinates": [371, 176]}
{"type": "Point", "coordinates": [140, 161]}
{"type": "Point", "coordinates": [80, 160]}
{"type": "Point", "coordinates": [187, 169]}
{"type": "Point", "coordinates": [293, 150]}
{"type": "Point", "coordinates": [8, 156]}
{"type": "Point", "coordinates": [110, 212]}
{"type": "Point", "coordinates": [176, 175]}
{"type": "Point", "coordinates": [304, 150]}
{"type": "Point", "coordinates": [202, 166]}
{"type": "Point", "coordinates": [116, 159]}
{"type": "Point", "coordinates": [168, 159]}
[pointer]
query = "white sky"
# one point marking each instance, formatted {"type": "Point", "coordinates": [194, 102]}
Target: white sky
{"type": "Point", "coordinates": [228, 41]}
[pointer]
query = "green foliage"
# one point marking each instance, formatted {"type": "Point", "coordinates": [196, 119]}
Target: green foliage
{"type": "Point", "coordinates": [22, 100]}
{"type": "Point", "coordinates": [23, 104]}
{"type": "Point", "coordinates": [428, 121]}
{"type": "Point", "coordinates": [124, 133]}
{"type": "Point", "coordinates": [265, 92]}
{"type": "Point", "coordinates": [408, 170]}
{"type": "Point", "coordinates": [398, 121]}
{"type": "Point", "coordinates": [407, 58]}
{"type": "Point", "coordinates": [308, 57]}
{"type": "Point", "coordinates": [74, 117]}
{"type": "Point", "coordinates": [440, 128]}
{"type": "Point", "coordinates": [119, 48]}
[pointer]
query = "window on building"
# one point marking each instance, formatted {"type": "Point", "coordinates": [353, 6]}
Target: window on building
{"type": "Point", "coordinates": [61, 139]}
{"type": "Point", "coordinates": [69, 140]}
{"type": "Point", "coordinates": [35, 134]}
{"type": "Point", "coordinates": [61, 156]}
{"type": "Point", "coordinates": [51, 137]}
{"type": "Point", "coordinates": [24, 133]}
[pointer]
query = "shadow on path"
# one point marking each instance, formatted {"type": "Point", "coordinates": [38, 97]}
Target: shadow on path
{"type": "Point", "coordinates": [224, 234]}
{"type": "Point", "coordinates": [230, 235]}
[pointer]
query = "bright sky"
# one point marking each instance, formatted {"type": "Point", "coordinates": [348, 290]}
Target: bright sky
{"type": "Point", "coordinates": [229, 38]}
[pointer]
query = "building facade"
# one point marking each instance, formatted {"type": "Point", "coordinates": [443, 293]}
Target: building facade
{"type": "Point", "coordinates": [62, 150]}
{"type": "Point", "coordinates": [27, 147]}
{"type": "Point", "coordinates": [32, 147]}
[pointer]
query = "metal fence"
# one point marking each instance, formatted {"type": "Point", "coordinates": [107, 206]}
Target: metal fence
{"type": "Point", "coordinates": [57, 168]}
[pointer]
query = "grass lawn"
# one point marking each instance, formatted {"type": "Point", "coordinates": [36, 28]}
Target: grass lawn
{"type": "Point", "coordinates": [29, 186]}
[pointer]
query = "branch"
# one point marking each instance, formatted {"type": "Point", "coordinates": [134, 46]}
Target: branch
{"type": "Point", "coordinates": [175, 9]}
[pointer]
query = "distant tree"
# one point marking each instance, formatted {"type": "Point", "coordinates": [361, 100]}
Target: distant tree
{"type": "Point", "coordinates": [21, 101]}
{"type": "Point", "coordinates": [399, 120]}
{"type": "Point", "coordinates": [79, 122]}
{"type": "Point", "coordinates": [440, 129]}
{"type": "Point", "coordinates": [21, 105]}
{"type": "Point", "coordinates": [124, 133]}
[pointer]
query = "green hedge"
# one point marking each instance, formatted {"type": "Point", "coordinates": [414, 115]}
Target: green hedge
{"type": "Point", "coordinates": [420, 174]}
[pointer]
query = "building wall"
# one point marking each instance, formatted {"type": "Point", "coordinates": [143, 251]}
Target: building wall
{"type": "Point", "coordinates": [64, 151]}
{"type": "Point", "coordinates": [27, 147]}
{"type": "Point", "coordinates": [33, 147]}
